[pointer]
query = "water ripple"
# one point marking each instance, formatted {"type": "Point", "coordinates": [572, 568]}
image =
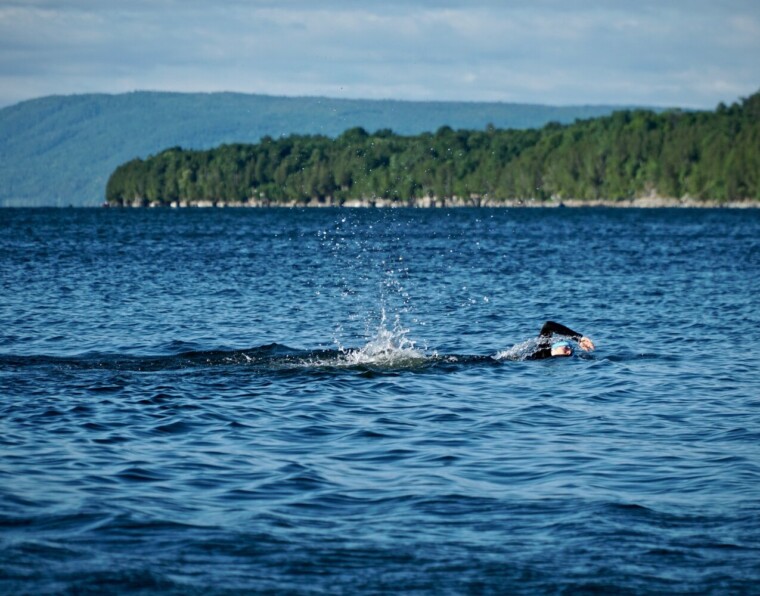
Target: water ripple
{"type": "Point", "coordinates": [181, 413]}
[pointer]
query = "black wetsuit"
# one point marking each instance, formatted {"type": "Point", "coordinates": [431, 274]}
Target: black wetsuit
{"type": "Point", "coordinates": [546, 339]}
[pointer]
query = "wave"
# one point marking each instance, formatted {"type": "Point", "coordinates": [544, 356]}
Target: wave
{"type": "Point", "coordinates": [265, 354]}
{"type": "Point", "coordinates": [373, 356]}
{"type": "Point", "coordinates": [389, 350]}
{"type": "Point", "coordinates": [378, 354]}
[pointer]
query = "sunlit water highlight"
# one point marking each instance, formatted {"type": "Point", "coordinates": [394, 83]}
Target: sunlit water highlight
{"type": "Point", "coordinates": [338, 401]}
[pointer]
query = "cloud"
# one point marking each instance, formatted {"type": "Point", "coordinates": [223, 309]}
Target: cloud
{"type": "Point", "coordinates": [689, 53]}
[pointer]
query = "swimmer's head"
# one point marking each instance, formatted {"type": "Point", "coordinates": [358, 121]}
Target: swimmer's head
{"type": "Point", "coordinates": [562, 348]}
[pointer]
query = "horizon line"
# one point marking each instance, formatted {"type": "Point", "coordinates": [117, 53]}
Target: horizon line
{"type": "Point", "coordinates": [365, 99]}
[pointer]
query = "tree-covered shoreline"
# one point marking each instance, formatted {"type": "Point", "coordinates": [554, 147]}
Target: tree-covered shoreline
{"type": "Point", "coordinates": [705, 156]}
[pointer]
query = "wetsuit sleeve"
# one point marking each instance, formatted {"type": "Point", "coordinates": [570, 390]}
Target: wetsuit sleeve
{"type": "Point", "coordinates": [551, 328]}
{"type": "Point", "coordinates": [541, 353]}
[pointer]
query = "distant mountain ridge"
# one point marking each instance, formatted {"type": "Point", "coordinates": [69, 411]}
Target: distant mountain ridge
{"type": "Point", "coordinates": [60, 150]}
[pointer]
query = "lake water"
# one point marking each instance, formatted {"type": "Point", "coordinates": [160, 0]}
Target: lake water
{"type": "Point", "coordinates": [318, 401]}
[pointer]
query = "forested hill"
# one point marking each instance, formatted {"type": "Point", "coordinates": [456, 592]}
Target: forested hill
{"type": "Point", "coordinates": [704, 155]}
{"type": "Point", "coordinates": [61, 150]}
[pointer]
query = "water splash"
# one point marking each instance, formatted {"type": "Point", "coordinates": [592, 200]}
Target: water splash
{"type": "Point", "coordinates": [519, 351]}
{"type": "Point", "coordinates": [388, 347]}
{"type": "Point", "coordinates": [370, 282]}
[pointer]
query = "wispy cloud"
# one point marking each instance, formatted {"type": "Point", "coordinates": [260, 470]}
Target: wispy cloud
{"type": "Point", "coordinates": [689, 53]}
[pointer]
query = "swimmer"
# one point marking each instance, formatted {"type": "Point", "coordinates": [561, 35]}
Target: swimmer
{"type": "Point", "coordinates": [553, 342]}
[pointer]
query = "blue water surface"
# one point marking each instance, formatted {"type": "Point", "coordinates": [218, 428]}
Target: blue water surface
{"type": "Point", "coordinates": [337, 401]}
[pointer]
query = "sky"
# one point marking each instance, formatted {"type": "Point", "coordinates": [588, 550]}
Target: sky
{"type": "Point", "coordinates": [685, 53]}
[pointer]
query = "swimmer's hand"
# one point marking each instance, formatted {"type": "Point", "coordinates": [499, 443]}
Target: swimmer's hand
{"type": "Point", "coordinates": [586, 344]}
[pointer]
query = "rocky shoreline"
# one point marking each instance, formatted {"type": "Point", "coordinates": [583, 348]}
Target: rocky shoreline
{"type": "Point", "coordinates": [647, 202]}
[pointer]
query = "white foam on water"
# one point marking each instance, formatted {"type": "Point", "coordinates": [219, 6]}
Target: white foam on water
{"type": "Point", "coordinates": [519, 351]}
{"type": "Point", "coordinates": [388, 347]}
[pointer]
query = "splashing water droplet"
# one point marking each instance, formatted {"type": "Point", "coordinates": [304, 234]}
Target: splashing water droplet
{"type": "Point", "coordinates": [388, 346]}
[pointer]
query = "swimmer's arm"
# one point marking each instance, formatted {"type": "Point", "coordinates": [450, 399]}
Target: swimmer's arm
{"type": "Point", "coordinates": [551, 328]}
